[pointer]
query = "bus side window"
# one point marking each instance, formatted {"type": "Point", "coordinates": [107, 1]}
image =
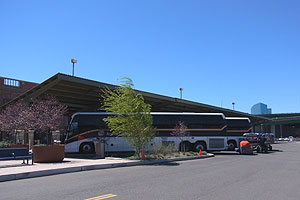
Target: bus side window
{"type": "Point", "coordinates": [73, 129]}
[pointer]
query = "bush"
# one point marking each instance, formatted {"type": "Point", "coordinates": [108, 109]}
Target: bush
{"type": "Point", "coordinates": [162, 149]}
{"type": "Point", "coordinates": [6, 143]}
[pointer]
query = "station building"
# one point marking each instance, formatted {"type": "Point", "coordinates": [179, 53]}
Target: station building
{"type": "Point", "coordinates": [12, 88]}
{"type": "Point", "coordinates": [84, 95]}
{"type": "Point", "coordinates": [282, 124]}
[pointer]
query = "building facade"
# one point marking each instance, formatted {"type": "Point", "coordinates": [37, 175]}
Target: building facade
{"type": "Point", "coordinates": [260, 109]}
{"type": "Point", "coordinates": [281, 124]}
{"type": "Point", "coordinates": [11, 88]}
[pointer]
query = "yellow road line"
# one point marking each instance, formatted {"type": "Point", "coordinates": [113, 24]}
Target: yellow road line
{"type": "Point", "coordinates": [102, 197]}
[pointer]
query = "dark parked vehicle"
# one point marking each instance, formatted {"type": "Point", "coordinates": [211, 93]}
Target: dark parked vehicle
{"type": "Point", "coordinates": [261, 142]}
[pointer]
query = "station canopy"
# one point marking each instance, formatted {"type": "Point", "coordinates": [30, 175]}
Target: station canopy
{"type": "Point", "coordinates": [282, 118]}
{"type": "Point", "coordinates": [83, 95]}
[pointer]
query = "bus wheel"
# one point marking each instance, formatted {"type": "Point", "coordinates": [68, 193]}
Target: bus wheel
{"type": "Point", "coordinates": [231, 145]}
{"type": "Point", "coordinates": [200, 145]}
{"type": "Point", "coordinates": [87, 148]}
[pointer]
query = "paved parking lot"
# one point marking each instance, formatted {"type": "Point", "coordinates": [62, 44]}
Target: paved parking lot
{"type": "Point", "coordinates": [229, 175]}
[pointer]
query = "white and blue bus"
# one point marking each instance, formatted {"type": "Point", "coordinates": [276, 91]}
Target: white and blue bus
{"type": "Point", "coordinates": [206, 131]}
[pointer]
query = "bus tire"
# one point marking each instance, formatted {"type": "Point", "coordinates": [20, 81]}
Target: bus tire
{"type": "Point", "coordinates": [199, 145]}
{"type": "Point", "coordinates": [87, 148]}
{"type": "Point", "coordinates": [231, 145]}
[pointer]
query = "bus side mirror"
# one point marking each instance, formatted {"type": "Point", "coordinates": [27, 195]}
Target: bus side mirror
{"type": "Point", "coordinates": [101, 133]}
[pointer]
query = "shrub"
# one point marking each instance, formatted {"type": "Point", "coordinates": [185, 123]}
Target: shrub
{"type": "Point", "coordinates": [162, 149]}
{"type": "Point", "coordinates": [6, 143]}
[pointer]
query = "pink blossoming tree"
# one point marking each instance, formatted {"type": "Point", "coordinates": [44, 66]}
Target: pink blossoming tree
{"type": "Point", "coordinates": [43, 115]}
{"type": "Point", "coordinates": [12, 117]}
{"type": "Point", "coordinates": [181, 132]}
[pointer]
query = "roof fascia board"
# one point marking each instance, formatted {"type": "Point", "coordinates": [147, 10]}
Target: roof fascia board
{"type": "Point", "coordinates": [85, 81]}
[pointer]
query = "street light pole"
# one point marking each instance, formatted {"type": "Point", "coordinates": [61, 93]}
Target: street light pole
{"type": "Point", "coordinates": [180, 89]}
{"type": "Point", "coordinates": [233, 105]}
{"type": "Point", "coordinates": [73, 60]}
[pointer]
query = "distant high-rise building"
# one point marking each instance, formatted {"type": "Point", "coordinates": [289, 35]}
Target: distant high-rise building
{"type": "Point", "coordinates": [260, 108]}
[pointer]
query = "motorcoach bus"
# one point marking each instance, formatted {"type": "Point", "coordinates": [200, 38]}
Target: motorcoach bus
{"type": "Point", "coordinates": [236, 127]}
{"type": "Point", "coordinates": [205, 130]}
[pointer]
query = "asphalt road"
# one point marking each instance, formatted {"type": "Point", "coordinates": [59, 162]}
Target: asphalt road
{"type": "Point", "coordinates": [231, 176]}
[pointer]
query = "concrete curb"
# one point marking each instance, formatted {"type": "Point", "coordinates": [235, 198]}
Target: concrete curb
{"type": "Point", "coordinates": [41, 173]}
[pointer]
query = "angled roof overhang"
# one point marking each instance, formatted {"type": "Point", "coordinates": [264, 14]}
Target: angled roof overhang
{"type": "Point", "coordinates": [85, 95]}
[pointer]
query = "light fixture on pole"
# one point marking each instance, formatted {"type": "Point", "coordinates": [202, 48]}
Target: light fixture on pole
{"type": "Point", "coordinates": [180, 89]}
{"type": "Point", "coordinates": [73, 60]}
{"type": "Point", "coordinates": [233, 105]}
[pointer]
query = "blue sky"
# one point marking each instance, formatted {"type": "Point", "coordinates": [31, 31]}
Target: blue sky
{"type": "Point", "coordinates": [218, 51]}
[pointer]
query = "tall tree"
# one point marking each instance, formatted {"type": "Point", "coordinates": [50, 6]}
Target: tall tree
{"type": "Point", "coordinates": [132, 118]}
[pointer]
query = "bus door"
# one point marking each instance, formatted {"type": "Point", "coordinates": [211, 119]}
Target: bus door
{"type": "Point", "coordinates": [71, 141]}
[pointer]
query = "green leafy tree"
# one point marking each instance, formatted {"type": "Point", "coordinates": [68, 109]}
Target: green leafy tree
{"type": "Point", "coordinates": [132, 119]}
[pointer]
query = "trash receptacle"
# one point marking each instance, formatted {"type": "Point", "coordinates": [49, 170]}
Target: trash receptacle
{"type": "Point", "coordinates": [100, 150]}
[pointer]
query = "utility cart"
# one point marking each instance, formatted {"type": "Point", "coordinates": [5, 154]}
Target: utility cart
{"type": "Point", "coordinates": [261, 142]}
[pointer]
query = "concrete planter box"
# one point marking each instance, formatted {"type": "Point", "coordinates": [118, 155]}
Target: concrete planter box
{"type": "Point", "coordinates": [49, 153]}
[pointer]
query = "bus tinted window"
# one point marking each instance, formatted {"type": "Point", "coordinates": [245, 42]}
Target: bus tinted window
{"type": "Point", "coordinates": [90, 122]}
{"type": "Point", "coordinates": [237, 123]}
{"type": "Point", "coordinates": [162, 122]}
{"type": "Point", "coordinates": [191, 121]}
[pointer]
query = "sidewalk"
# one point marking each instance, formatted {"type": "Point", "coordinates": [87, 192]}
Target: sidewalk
{"type": "Point", "coordinates": [14, 170]}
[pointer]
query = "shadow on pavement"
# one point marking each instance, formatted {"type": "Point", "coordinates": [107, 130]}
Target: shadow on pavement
{"type": "Point", "coordinates": [270, 152]}
{"type": "Point", "coordinates": [62, 162]}
{"type": "Point", "coordinates": [81, 156]}
{"type": "Point", "coordinates": [167, 164]}
{"type": "Point", "coordinates": [231, 153]}
{"type": "Point", "coordinates": [14, 165]}
{"type": "Point", "coordinates": [277, 150]}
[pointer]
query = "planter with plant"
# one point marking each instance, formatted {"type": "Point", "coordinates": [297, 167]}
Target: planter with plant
{"type": "Point", "coordinates": [48, 153]}
{"type": "Point", "coordinates": [48, 116]}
